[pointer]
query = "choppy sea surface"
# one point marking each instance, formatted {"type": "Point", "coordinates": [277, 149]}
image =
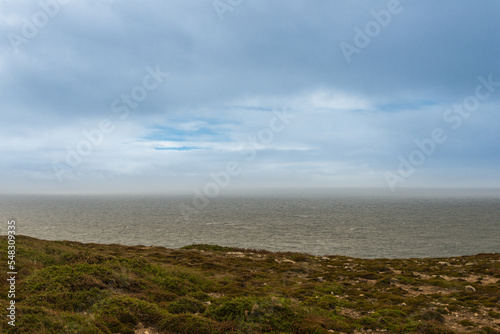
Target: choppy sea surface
{"type": "Point", "coordinates": [360, 225]}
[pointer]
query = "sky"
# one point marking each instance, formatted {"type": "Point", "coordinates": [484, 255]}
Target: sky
{"type": "Point", "coordinates": [234, 95]}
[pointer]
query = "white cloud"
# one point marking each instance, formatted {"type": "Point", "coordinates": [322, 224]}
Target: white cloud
{"type": "Point", "coordinates": [324, 100]}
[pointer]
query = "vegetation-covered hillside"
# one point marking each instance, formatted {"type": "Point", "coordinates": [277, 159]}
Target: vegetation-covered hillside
{"type": "Point", "coordinates": [70, 287]}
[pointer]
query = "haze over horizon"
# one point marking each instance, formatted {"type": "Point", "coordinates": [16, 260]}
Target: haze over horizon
{"type": "Point", "coordinates": [166, 97]}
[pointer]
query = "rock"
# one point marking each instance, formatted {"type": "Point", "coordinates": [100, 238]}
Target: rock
{"type": "Point", "coordinates": [470, 288]}
{"type": "Point", "coordinates": [235, 254]}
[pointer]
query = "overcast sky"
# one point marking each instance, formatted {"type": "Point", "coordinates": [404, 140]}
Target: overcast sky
{"type": "Point", "coordinates": [160, 96]}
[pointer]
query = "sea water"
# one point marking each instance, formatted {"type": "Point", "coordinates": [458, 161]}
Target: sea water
{"type": "Point", "coordinates": [429, 224]}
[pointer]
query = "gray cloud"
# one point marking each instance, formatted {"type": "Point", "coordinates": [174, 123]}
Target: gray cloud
{"type": "Point", "coordinates": [352, 121]}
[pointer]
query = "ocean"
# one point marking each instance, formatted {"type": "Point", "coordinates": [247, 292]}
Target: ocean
{"type": "Point", "coordinates": [357, 224]}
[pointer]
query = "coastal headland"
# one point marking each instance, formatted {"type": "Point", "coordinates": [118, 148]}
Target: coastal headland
{"type": "Point", "coordinates": [72, 287]}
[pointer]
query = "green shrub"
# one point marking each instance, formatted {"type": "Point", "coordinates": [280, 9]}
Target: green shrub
{"type": "Point", "coordinates": [328, 288]}
{"type": "Point", "coordinates": [431, 316]}
{"type": "Point", "coordinates": [327, 302]}
{"type": "Point", "coordinates": [467, 322]}
{"type": "Point", "coordinates": [186, 305]}
{"type": "Point", "coordinates": [298, 257]}
{"type": "Point", "coordinates": [119, 312]}
{"type": "Point", "coordinates": [488, 330]}
{"type": "Point", "coordinates": [272, 313]}
{"type": "Point", "coordinates": [190, 324]}
{"type": "Point", "coordinates": [233, 309]}
{"type": "Point", "coordinates": [494, 314]}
